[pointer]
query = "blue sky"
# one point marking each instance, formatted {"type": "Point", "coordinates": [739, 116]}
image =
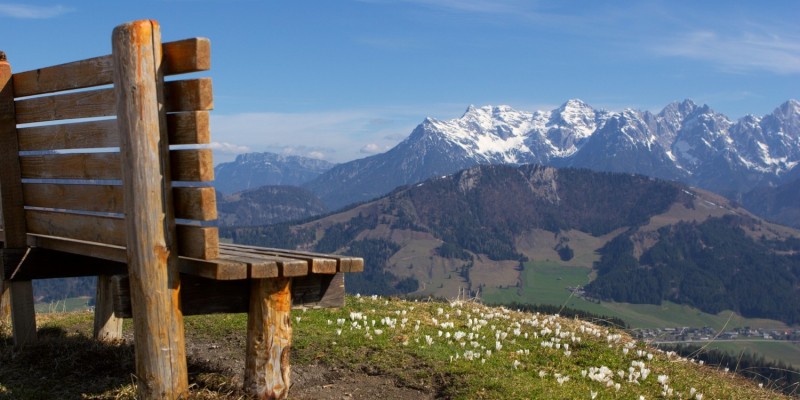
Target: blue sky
{"type": "Point", "coordinates": [341, 80]}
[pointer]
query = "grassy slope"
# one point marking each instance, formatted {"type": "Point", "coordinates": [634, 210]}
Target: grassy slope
{"type": "Point", "coordinates": [546, 282]}
{"type": "Point", "coordinates": [503, 354]}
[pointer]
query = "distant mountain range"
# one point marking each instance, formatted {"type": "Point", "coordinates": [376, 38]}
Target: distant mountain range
{"type": "Point", "coordinates": [684, 142]}
{"type": "Point", "coordinates": [645, 240]}
{"type": "Point", "coordinates": [253, 170]}
{"type": "Point", "coordinates": [267, 205]}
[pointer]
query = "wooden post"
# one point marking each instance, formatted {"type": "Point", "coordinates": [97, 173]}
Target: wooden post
{"type": "Point", "coordinates": [107, 327]}
{"type": "Point", "coordinates": [269, 338]}
{"type": "Point", "coordinates": [23, 316]}
{"type": "Point", "coordinates": [151, 247]}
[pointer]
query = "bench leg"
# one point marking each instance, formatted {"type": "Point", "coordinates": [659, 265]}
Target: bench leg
{"type": "Point", "coordinates": [107, 327]}
{"type": "Point", "coordinates": [5, 303]}
{"type": "Point", "coordinates": [269, 338]}
{"type": "Point", "coordinates": [23, 315]}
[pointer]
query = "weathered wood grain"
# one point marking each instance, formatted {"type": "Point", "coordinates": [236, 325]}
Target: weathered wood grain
{"type": "Point", "coordinates": [194, 165]}
{"type": "Point", "coordinates": [198, 241]}
{"type": "Point", "coordinates": [96, 198]}
{"type": "Point", "coordinates": [189, 128]}
{"type": "Point", "coordinates": [269, 339]}
{"type": "Point", "coordinates": [20, 294]}
{"type": "Point", "coordinates": [317, 265]}
{"type": "Point", "coordinates": [78, 135]}
{"type": "Point", "coordinates": [197, 203]}
{"type": "Point", "coordinates": [74, 75]}
{"type": "Point", "coordinates": [152, 267]}
{"type": "Point", "coordinates": [91, 228]}
{"type": "Point", "coordinates": [189, 55]}
{"type": "Point", "coordinates": [71, 166]}
{"type": "Point", "coordinates": [188, 95]}
{"type": "Point", "coordinates": [86, 104]}
{"type": "Point", "coordinates": [107, 326]}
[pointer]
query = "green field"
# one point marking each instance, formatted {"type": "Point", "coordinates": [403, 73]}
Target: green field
{"type": "Point", "coordinates": [66, 305]}
{"type": "Point", "coordinates": [773, 350]}
{"type": "Point", "coordinates": [547, 282]}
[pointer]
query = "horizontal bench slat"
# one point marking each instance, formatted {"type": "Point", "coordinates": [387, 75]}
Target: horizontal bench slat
{"type": "Point", "coordinates": [197, 203]}
{"type": "Point", "coordinates": [201, 242]}
{"type": "Point", "coordinates": [188, 95]}
{"type": "Point", "coordinates": [189, 128]}
{"type": "Point", "coordinates": [344, 263]}
{"type": "Point", "coordinates": [257, 268]}
{"type": "Point", "coordinates": [196, 165]}
{"type": "Point", "coordinates": [90, 228]}
{"type": "Point", "coordinates": [75, 75]}
{"type": "Point", "coordinates": [184, 95]}
{"type": "Point", "coordinates": [194, 203]}
{"type": "Point", "coordinates": [80, 135]}
{"type": "Point", "coordinates": [183, 128]}
{"type": "Point", "coordinates": [96, 198]}
{"type": "Point", "coordinates": [71, 166]}
{"type": "Point", "coordinates": [319, 265]}
{"type": "Point", "coordinates": [188, 55]}
{"type": "Point", "coordinates": [287, 267]}
{"type": "Point", "coordinates": [87, 104]}
{"type": "Point", "coordinates": [91, 249]}
{"type": "Point", "coordinates": [219, 269]}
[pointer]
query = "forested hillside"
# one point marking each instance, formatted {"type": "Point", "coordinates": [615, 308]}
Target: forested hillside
{"type": "Point", "coordinates": [647, 240]}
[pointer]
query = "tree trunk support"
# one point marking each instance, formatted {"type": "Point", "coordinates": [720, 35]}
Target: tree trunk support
{"type": "Point", "coordinates": [16, 297]}
{"type": "Point", "coordinates": [107, 327]}
{"type": "Point", "coordinates": [269, 338]}
{"type": "Point", "coordinates": [150, 230]}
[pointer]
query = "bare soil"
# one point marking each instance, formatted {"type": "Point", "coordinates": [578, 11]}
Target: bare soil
{"type": "Point", "coordinates": [225, 358]}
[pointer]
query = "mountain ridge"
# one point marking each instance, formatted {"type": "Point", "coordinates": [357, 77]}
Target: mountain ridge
{"type": "Point", "coordinates": [684, 141]}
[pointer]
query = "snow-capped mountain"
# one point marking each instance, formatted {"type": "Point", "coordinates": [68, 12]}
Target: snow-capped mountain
{"type": "Point", "coordinates": [684, 142]}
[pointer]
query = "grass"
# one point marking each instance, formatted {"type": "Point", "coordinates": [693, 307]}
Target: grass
{"type": "Point", "coordinates": [457, 350]}
{"type": "Point", "coordinates": [66, 305]}
{"type": "Point", "coordinates": [546, 282]}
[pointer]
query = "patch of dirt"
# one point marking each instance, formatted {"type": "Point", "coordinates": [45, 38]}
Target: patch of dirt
{"type": "Point", "coordinates": [320, 382]}
{"type": "Point", "coordinates": [225, 358]}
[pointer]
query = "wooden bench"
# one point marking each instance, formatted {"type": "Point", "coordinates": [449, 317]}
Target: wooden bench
{"type": "Point", "coordinates": [103, 171]}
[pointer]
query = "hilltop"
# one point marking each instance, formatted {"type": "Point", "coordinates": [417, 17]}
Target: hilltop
{"type": "Point", "coordinates": [390, 348]}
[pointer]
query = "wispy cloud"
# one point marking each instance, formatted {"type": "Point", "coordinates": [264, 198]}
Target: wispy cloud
{"type": "Point", "coordinates": [741, 52]}
{"type": "Point", "coordinates": [229, 148]}
{"type": "Point", "coordinates": [26, 11]}
{"type": "Point", "coordinates": [472, 6]}
{"type": "Point", "coordinates": [331, 135]}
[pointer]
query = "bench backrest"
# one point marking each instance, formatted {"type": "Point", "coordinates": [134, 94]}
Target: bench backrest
{"type": "Point", "coordinates": [61, 156]}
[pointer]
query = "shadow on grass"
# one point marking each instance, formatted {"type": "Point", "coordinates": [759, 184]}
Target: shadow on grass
{"type": "Point", "coordinates": [62, 366]}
